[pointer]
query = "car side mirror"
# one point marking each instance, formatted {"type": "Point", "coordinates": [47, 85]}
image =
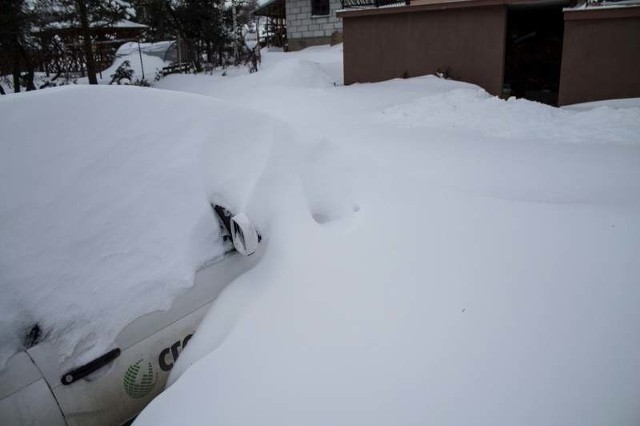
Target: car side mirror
{"type": "Point", "coordinates": [244, 236]}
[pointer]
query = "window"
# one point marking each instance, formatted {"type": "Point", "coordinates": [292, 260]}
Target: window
{"type": "Point", "coordinates": [319, 7]}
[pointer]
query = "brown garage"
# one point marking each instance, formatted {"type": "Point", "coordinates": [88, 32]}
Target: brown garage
{"type": "Point", "coordinates": [464, 39]}
{"type": "Point", "coordinates": [509, 47]}
{"type": "Point", "coordinates": [601, 56]}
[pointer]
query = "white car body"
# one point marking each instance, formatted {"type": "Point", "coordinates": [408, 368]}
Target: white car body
{"type": "Point", "coordinates": [35, 389]}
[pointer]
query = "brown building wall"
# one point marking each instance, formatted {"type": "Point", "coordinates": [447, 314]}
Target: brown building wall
{"type": "Point", "coordinates": [601, 55]}
{"type": "Point", "coordinates": [417, 40]}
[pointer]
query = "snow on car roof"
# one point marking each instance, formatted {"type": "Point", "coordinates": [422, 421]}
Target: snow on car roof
{"type": "Point", "coordinates": [104, 209]}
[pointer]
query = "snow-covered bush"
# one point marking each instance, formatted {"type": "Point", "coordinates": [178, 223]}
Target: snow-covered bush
{"type": "Point", "coordinates": [123, 72]}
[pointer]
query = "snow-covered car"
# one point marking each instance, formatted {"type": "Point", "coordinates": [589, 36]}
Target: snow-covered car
{"type": "Point", "coordinates": [35, 389]}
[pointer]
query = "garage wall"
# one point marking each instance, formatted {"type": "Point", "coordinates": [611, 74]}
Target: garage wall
{"type": "Point", "coordinates": [601, 55]}
{"type": "Point", "coordinates": [417, 40]}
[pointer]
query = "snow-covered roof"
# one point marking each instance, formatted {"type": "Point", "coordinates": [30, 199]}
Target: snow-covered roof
{"type": "Point", "coordinates": [271, 8]}
{"type": "Point", "coordinates": [125, 23]}
{"type": "Point", "coordinates": [602, 4]}
{"type": "Point", "coordinates": [149, 48]}
{"type": "Point", "coordinates": [121, 24]}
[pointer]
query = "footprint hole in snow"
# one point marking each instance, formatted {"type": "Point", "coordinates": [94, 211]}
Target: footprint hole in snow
{"type": "Point", "coordinates": [329, 183]}
{"type": "Point", "coordinates": [323, 217]}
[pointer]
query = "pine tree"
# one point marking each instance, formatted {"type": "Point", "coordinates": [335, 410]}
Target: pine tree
{"type": "Point", "coordinates": [15, 26]}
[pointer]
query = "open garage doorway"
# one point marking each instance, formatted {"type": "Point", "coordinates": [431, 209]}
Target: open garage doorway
{"type": "Point", "coordinates": [534, 50]}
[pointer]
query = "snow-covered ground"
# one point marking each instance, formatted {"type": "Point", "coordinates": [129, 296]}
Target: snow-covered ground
{"type": "Point", "coordinates": [434, 255]}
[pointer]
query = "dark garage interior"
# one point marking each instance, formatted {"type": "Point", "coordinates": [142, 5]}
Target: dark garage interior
{"type": "Point", "coordinates": [534, 51]}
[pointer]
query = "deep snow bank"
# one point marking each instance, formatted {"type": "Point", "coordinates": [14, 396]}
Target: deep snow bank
{"type": "Point", "coordinates": [104, 211]}
{"type": "Point", "coordinates": [436, 256]}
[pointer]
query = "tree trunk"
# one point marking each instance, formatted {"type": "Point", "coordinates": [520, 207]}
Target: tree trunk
{"type": "Point", "coordinates": [30, 68]}
{"type": "Point", "coordinates": [86, 41]}
{"type": "Point", "coordinates": [183, 35]}
{"type": "Point", "coordinates": [16, 70]}
{"type": "Point", "coordinates": [2, 92]}
{"type": "Point", "coordinates": [30, 77]}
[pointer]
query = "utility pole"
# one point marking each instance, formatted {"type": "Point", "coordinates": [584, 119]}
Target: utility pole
{"type": "Point", "coordinates": [141, 63]}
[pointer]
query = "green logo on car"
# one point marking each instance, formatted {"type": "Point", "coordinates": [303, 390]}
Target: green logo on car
{"type": "Point", "coordinates": [140, 379]}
